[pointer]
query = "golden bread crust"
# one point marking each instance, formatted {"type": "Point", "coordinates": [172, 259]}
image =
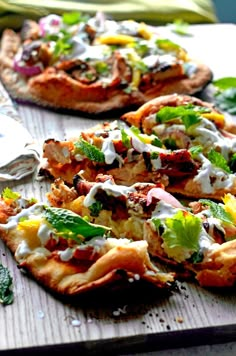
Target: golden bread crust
{"type": "Point", "coordinates": [56, 89]}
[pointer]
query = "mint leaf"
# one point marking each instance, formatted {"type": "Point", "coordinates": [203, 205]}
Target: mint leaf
{"type": "Point", "coordinates": [188, 114]}
{"type": "Point", "coordinates": [183, 230]}
{"type": "Point", "coordinates": [225, 95]}
{"type": "Point", "coordinates": [218, 160]}
{"type": "Point", "coordinates": [218, 211]}
{"type": "Point", "coordinates": [225, 83]}
{"type": "Point", "coordinates": [90, 151]}
{"type": "Point", "coordinates": [226, 100]}
{"type": "Point", "coordinates": [71, 225]}
{"type": "Point", "coordinates": [6, 293]}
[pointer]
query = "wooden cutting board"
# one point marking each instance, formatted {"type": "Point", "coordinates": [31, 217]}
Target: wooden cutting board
{"type": "Point", "coordinates": [117, 323]}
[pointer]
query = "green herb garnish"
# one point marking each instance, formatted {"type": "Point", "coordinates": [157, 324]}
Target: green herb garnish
{"type": "Point", "coordinates": [90, 151]}
{"type": "Point", "coordinates": [156, 142]}
{"type": "Point", "coordinates": [183, 230]}
{"type": "Point", "coordinates": [95, 208]}
{"type": "Point", "coordinates": [6, 293]}
{"type": "Point", "coordinates": [71, 225]}
{"type": "Point", "coordinates": [167, 45]}
{"type": "Point", "coordinates": [180, 27]}
{"type": "Point", "coordinates": [74, 17]}
{"type": "Point", "coordinates": [218, 211]}
{"type": "Point", "coordinates": [232, 164]}
{"type": "Point", "coordinates": [225, 83]}
{"type": "Point", "coordinates": [188, 114]}
{"type": "Point", "coordinates": [125, 139]}
{"type": "Point", "coordinates": [9, 194]}
{"type": "Point", "coordinates": [218, 160]}
{"type": "Point", "coordinates": [101, 67]}
{"type": "Point", "coordinates": [170, 144]}
{"type": "Point", "coordinates": [141, 47]}
{"type": "Point", "coordinates": [225, 95]}
{"type": "Point", "coordinates": [195, 150]}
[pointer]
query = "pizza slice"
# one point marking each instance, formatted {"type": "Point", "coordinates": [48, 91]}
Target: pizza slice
{"type": "Point", "coordinates": [197, 238]}
{"type": "Point", "coordinates": [190, 155]}
{"type": "Point", "coordinates": [69, 255]}
{"type": "Point", "coordinates": [93, 64]}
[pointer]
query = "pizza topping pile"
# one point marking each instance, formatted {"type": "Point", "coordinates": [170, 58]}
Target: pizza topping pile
{"type": "Point", "coordinates": [70, 255]}
{"type": "Point", "coordinates": [188, 236]}
{"type": "Point", "coordinates": [94, 64]}
{"type": "Point", "coordinates": [173, 145]}
{"type": "Point", "coordinates": [111, 208]}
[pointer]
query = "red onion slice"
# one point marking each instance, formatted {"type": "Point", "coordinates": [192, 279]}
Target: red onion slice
{"type": "Point", "coordinates": [163, 195]}
{"type": "Point", "coordinates": [29, 71]}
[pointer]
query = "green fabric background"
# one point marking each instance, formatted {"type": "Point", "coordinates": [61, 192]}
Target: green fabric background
{"type": "Point", "coordinates": [158, 12]}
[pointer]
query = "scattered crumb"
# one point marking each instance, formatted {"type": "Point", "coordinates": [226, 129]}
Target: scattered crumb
{"type": "Point", "coordinates": [120, 311]}
{"type": "Point", "coordinates": [40, 314]}
{"type": "Point", "coordinates": [75, 322]}
{"type": "Point", "coordinates": [179, 319]}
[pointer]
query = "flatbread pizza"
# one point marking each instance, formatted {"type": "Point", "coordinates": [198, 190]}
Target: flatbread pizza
{"type": "Point", "coordinates": [186, 146]}
{"type": "Point", "coordinates": [94, 64]}
{"type": "Point", "coordinates": [67, 254]}
{"type": "Point", "coordinates": [197, 237]}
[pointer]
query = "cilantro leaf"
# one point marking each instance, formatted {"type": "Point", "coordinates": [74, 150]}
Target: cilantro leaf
{"type": "Point", "coordinates": [195, 150]}
{"type": "Point", "coordinates": [183, 230]}
{"type": "Point", "coordinates": [71, 225]}
{"type": "Point", "coordinates": [188, 114]}
{"type": "Point", "coordinates": [6, 293]}
{"type": "Point", "coordinates": [90, 151]}
{"type": "Point", "coordinates": [9, 194]}
{"type": "Point", "coordinates": [218, 211]}
{"type": "Point", "coordinates": [218, 160]}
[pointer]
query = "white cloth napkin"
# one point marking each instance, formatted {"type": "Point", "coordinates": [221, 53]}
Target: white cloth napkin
{"type": "Point", "coordinates": [19, 155]}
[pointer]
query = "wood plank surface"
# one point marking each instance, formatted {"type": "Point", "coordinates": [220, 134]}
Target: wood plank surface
{"type": "Point", "coordinates": [38, 321]}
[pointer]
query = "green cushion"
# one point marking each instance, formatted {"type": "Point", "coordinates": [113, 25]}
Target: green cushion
{"type": "Point", "coordinates": [13, 12]}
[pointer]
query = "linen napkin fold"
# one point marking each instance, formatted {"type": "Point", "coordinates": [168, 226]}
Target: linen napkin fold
{"type": "Point", "coordinates": [19, 154]}
{"type": "Point", "coordinates": [158, 12]}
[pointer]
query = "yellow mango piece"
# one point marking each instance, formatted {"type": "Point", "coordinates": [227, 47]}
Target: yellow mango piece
{"type": "Point", "coordinates": [219, 119]}
{"type": "Point", "coordinates": [230, 205]}
{"type": "Point", "coordinates": [29, 231]}
{"type": "Point", "coordinates": [115, 39]}
{"type": "Point", "coordinates": [144, 31]}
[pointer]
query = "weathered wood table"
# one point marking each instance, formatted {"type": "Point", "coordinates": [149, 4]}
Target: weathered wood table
{"type": "Point", "coordinates": [38, 321]}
